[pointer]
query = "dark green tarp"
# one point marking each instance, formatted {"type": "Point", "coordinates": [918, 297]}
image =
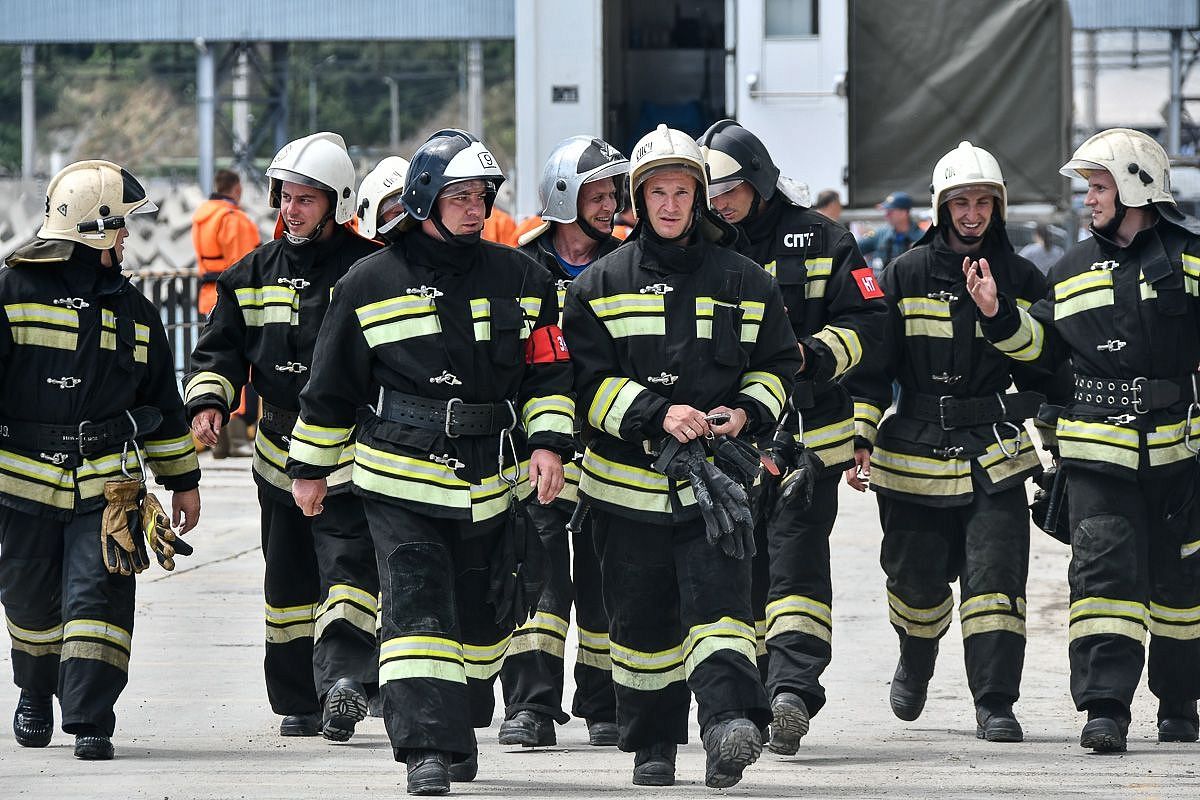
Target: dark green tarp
{"type": "Point", "coordinates": [924, 75]}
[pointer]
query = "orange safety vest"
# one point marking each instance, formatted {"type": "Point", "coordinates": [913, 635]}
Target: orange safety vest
{"type": "Point", "coordinates": [221, 234]}
{"type": "Point", "coordinates": [499, 227]}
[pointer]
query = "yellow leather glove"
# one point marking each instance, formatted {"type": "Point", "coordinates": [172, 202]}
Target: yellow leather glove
{"type": "Point", "coordinates": [121, 538]}
{"type": "Point", "coordinates": [165, 543]}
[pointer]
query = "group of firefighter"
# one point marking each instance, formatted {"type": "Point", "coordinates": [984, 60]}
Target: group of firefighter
{"type": "Point", "coordinates": [461, 441]}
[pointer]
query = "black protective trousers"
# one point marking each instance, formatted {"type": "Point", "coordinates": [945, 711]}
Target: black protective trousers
{"type": "Point", "coordinates": [679, 620]}
{"type": "Point", "coordinates": [793, 593]}
{"type": "Point", "coordinates": [532, 675]}
{"type": "Point", "coordinates": [440, 647]}
{"type": "Point", "coordinates": [320, 581]}
{"type": "Point", "coordinates": [985, 545]}
{"type": "Point", "coordinates": [70, 621]}
{"type": "Point", "coordinates": [1135, 564]}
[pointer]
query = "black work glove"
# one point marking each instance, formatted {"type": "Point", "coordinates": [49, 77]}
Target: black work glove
{"type": "Point", "coordinates": [736, 537]}
{"type": "Point", "coordinates": [164, 542]}
{"type": "Point", "coordinates": [738, 459]}
{"type": "Point", "coordinates": [517, 572]}
{"type": "Point", "coordinates": [796, 488]}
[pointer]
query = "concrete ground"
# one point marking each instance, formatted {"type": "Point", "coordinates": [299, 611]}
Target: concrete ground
{"type": "Point", "coordinates": [194, 721]}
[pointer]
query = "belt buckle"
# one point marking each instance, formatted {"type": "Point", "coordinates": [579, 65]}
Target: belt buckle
{"type": "Point", "coordinates": [942, 412]}
{"type": "Point", "coordinates": [1138, 408]}
{"type": "Point", "coordinates": [449, 415]}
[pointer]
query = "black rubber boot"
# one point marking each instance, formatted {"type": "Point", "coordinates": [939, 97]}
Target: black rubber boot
{"type": "Point", "coordinates": [465, 771]}
{"type": "Point", "coordinates": [1177, 721]}
{"type": "Point", "coordinates": [428, 772]}
{"type": "Point", "coordinates": [602, 734]}
{"type": "Point", "coordinates": [789, 723]}
{"type": "Point", "coordinates": [655, 765]}
{"type": "Point", "coordinates": [89, 747]}
{"type": "Point", "coordinates": [528, 729]}
{"type": "Point", "coordinates": [33, 722]}
{"type": "Point", "coordinates": [1107, 725]}
{"type": "Point", "coordinates": [300, 725]}
{"type": "Point", "coordinates": [345, 707]}
{"type": "Point", "coordinates": [730, 747]}
{"type": "Point", "coordinates": [907, 695]}
{"type": "Point", "coordinates": [995, 721]}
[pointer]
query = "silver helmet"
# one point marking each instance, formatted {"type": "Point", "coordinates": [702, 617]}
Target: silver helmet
{"type": "Point", "coordinates": [573, 162]}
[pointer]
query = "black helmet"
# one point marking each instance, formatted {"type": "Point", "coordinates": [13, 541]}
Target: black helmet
{"type": "Point", "coordinates": [734, 154]}
{"type": "Point", "coordinates": [448, 156]}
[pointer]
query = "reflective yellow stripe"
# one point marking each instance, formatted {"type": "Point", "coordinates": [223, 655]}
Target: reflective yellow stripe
{"type": "Point", "coordinates": [399, 331]}
{"type": "Point", "coordinates": [555, 412]}
{"type": "Point", "coordinates": [44, 337]}
{"type": "Point", "coordinates": [34, 313]}
{"type": "Point", "coordinates": [36, 642]}
{"type": "Point", "coordinates": [844, 344]}
{"type": "Point", "coordinates": [1094, 626]}
{"type": "Point", "coordinates": [926, 316]}
{"type": "Point", "coordinates": [1000, 467]}
{"type": "Point", "coordinates": [629, 486]}
{"type": "Point", "coordinates": [203, 383]}
{"type": "Point", "coordinates": [766, 389]}
{"type": "Point", "coordinates": [421, 657]}
{"type": "Point", "coordinates": [752, 317]}
{"type": "Point", "coordinates": [169, 448]}
{"type": "Point", "coordinates": [866, 420]}
{"type": "Point", "coordinates": [991, 623]}
{"type": "Point", "coordinates": [393, 308]}
{"type": "Point", "coordinates": [612, 399]}
{"type": "Point", "coordinates": [925, 623]}
{"type": "Point", "coordinates": [1191, 274]}
{"type": "Point", "coordinates": [797, 614]}
{"type": "Point", "coordinates": [920, 475]}
{"type": "Point", "coordinates": [262, 305]}
{"type": "Point", "coordinates": [1098, 441]}
{"type": "Point", "coordinates": [1091, 289]}
{"type": "Point", "coordinates": [832, 444]}
{"type": "Point", "coordinates": [1165, 444]}
{"type": "Point", "coordinates": [1175, 623]}
{"type": "Point", "coordinates": [355, 606]}
{"type": "Point", "coordinates": [1027, 343]}
{"type": "Point", "coordinates": [97, 640]}
{"type": "Point", "coordinates": [37, 481]}
{"type": "Point", "coordinates": [483, 661]}
{"type": "Point", "coordinates": [646, 671]}
{"type": "Point", "coordinates": [545, 632]}
{"type": "Point", "coordinates": [1107, 606]}
{"type": "Point", "coordinates": [1189, 549]}
{"type": "Point", "coordinates": [631, 314]}
{"type": "Point", "coordinates": [318, 445]}
{"type": "Point", "coordinates": [817, 272]}
{"type": "Point", "coordinates": [594, 650]}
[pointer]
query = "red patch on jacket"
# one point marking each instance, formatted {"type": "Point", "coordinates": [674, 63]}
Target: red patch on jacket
{"type": "Point", "coordinates": [546, 346]}
{"type": "Point", "coordinates": [867, 284]}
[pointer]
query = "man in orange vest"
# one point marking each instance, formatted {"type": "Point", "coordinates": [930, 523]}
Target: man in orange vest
{"type": "Point", "coordinates": [221, 233]}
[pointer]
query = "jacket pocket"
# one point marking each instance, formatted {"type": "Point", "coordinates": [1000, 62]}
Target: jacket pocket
{"type": "Point", "coordinates": [727, 335]}
{"type": "Point", "coordinates": [507, 321]}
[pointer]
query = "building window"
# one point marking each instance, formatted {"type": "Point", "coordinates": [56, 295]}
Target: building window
{"type": "Point", "coordinates": [790, 18]}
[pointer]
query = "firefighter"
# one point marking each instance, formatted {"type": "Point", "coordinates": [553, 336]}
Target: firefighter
{"type": "Point", "coordinates": [949, 466]}
{"type": "Point", "coordinates": [380, 206]}
{"type": "Point", "coordinates": [321, 582]}
{"type": "Point", "coordinates": [674, 339]}
{"type": "Point", "coordinates": [1122, 308]}
{"type": "Point", "coordinates": [837, 313]}
{"type": "Point", "coordinates": [88, 385]}
{"type": "Point", "coordinates": [580, 192]}
{"type": "Point", "coordinates": [454, 344]}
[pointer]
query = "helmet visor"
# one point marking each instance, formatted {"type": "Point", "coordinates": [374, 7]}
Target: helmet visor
{"type": "Point", "coordinates": [281, 174]}
{"type": "Point", "coordinates": [721, 187]}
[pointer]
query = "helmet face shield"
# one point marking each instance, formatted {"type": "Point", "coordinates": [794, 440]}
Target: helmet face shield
{"type": "Point", "coordinates": [448, 157]}
{"type": "Point", "coordinates": [721, 187]}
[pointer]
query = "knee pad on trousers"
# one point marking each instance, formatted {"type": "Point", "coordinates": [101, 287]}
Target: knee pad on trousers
{"type": "Point", "coordinates": [420, 582]}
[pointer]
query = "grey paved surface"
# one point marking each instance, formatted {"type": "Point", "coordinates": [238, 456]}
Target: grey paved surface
{"type": "Point", "coordinates": [194, 721]}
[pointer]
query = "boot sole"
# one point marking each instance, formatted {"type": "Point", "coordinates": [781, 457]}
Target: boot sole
{"type": "Point", "coordinates": [1104, 740]}
{"type": "Point", "coordinates": [423, 788]}
{"type": "Point", "coordinates": [1000, 733]}
{"type": "Point", "coordinates": [738, 750]}
{"type": "Point", "coordinates": [787, 729]}
{"type": "Point", "coordinates": [345, 708]}
{"type": "Point", "coordinates": [524, 739]}
{"type": "Point", "coordinates": [653, 780]}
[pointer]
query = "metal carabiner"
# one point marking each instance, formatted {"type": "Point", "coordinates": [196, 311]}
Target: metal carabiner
{"type": "Point", "coordinates": [1017, 434]}
{"type": "Point", "coordinates": [506, 436]}
{"type": "Point", "coordinates": [137, 452]}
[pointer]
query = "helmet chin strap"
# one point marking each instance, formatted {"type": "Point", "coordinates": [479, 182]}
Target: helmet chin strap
{"type": "Point", "coordinates": [454, 239]}
{"type": "Point", "coordinates": [591, 232]}
{"type": "Point", "coordinates": [300, 241]}
{"type": "Point", "coordinates": [1109, 230]}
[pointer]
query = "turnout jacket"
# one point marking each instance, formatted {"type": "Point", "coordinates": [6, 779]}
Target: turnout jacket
{"type": "Point", "coordinates": [79, 343]}
{"type": "Point", "coordinates": [652, 325]}
{"type": "Point", "coordinates": [836, 310]}
{"type": "Point", "coordinates": [1128, 313]}
{"type": "Point", "coordinates": [474, 324]}
{"type": "Point", "coordinates": [539, 249]}
{"type": "Point", "coordinates": [935, 348]}
{"type": "Point", "coordinates": [263, 329]}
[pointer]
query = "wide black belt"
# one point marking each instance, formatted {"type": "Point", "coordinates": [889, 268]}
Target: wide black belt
{"type": "Point", "coordinates": [1139, 395]}
{"type": "Point", "coordinates": [453, 417]}
{"type": "Point", "coordinates": [86, 438]}
{"type": "Point", "coordinates": [278, 420]}
{"type": "Point", "coordinates": [964, 412]}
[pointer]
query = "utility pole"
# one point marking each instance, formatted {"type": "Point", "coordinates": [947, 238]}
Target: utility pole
{"type": "Point", "coordinates": [475, 87]}
{"type": "Point", "coordinates": [28, 125]}
{"type": "Point", "coordinates": [394, 98]}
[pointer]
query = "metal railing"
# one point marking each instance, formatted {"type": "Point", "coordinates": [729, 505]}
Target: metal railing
{"type": "Point", "coordinates": [174, 292]}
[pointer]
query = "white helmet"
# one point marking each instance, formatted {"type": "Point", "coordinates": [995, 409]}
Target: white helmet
{"type": "Point", "coordinates": [1138, 164]}
{"type": "Point", "coordinates": [319, 160]}
{"type": "Point", "coordinates": [667, 148]}
{"type": "Point", "coordinates": [379, 192]}
{"type": "Point", "coordinates": [967, 166]}
{"type": "Point", "coordinates": [87, 202]}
